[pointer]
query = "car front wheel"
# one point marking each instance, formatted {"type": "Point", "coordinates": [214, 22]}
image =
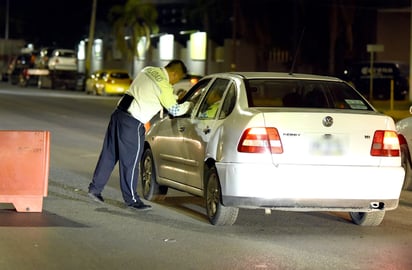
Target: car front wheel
{"type": "Point", "coordinates": [367, 218]}
{"type": "Point", "coordinates": [150, 188]}
{"type": "Point", "coordinates": [217, 213]}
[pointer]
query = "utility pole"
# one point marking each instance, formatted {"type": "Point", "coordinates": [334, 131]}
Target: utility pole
{"type": "Point", "coordinates": [234, 29]}
{"type": "Point", "coordinates": [91, 38]}
{"type": "Point", "coordinates": [410, 53]}
{"type": "Point", "coordinates": [6, 32]}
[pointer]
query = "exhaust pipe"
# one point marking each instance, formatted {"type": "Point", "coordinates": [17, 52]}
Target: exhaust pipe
{"type": "Point", "coordinates": [377, 205]}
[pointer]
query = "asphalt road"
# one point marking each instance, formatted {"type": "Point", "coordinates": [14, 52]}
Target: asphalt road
{"type": "Point", "coordinates": [73, 232]}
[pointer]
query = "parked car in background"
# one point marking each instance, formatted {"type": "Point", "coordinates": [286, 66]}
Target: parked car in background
{"type": "Point", "coordinates": [279, 141]}
{"type": "Point", "coordinates": [181, 87]}
{"type": "Point", "coordinates": [108, 82]}
{"type": "Point", "coordinates": [63, 59]}
{"type": "Point", "coordinates": [63, 69]}
{"type": "Point", "coordinates": [18, 65]}
{"type": "Point", "coordinates": [7, 67]}
{"type": "Point", "coordinates": [404, 128]}
{"type": "Point", "coordinates": [359, 74]}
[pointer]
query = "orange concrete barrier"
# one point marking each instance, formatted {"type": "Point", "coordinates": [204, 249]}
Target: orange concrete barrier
{"type": "Point", "coordinates": [24, 168]}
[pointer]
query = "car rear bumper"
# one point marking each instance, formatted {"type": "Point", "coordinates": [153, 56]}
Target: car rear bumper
{"type": "Point", "coordinates": [312, 204]}
{"type": "Point", "coordinates": [310, 188]}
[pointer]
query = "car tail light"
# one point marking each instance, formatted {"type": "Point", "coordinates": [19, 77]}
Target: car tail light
{"type": "Point", "coordinates": [385, 144]}
{"type": "Point", "coordinates": [260, 140]}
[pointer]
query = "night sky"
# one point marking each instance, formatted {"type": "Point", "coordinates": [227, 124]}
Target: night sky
{"type": "Point", "coordinates": [43, 22]}
{"type": "Point", "coordinates": [64, 23]}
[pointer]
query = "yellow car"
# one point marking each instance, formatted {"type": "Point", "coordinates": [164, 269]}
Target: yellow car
{"type": "Point", "coordinates": [108, 82]}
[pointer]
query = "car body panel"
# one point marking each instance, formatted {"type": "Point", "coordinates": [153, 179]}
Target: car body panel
{"type": "Point", "coordinates": [309, 187]}
{"type": "Point", "coordinates": [108, 82]}
{"type": "Point", "coordinates": [321, 167]}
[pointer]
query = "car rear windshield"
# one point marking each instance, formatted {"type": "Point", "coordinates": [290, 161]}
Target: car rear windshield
{"type": "Point", "coordinates": [68, 54]}
{"type": "Point", "coordinates": [303, 94]}
{"type": "Point", "coordinates": [120, 75]}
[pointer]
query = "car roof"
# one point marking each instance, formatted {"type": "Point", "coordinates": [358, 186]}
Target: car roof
{"type": "Point", "coordinates": [276, 75]}
{"type": "Point", "coordinates": [64, 50]}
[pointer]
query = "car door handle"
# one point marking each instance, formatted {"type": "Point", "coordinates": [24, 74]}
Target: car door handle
{"type": "Point", "coordinates": [181, 129]}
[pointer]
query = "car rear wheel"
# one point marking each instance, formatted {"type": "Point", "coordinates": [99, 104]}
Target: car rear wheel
{"type": "Point", "coordinates": [406, 164]}
{"type": "Point", "coordinates": [150, 188]}
{"type": "Point", "coordinates": [367, 218]}
{"type": "Point", "coordinates": [217, 213]}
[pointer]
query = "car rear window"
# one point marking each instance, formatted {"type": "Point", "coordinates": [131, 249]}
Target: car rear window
{"type": "Point", "coordinates": [68, 54]}
{"type": "Point", "coordinates": [120, 75]}
{"type": "Point", "coordinates": [303, 94]}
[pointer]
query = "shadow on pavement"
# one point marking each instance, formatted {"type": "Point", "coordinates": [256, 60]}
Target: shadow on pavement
{"type": "Point", "coordinates": [11, 218]}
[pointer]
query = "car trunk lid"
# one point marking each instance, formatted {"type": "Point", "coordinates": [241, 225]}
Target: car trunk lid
{"type": "Point", "coordinates": [327, 137]}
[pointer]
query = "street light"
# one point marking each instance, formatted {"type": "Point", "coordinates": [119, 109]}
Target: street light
{"type": "Point", "coordinates": [198, 43]}
{"type": "Point", "coordinates": [166, 47]}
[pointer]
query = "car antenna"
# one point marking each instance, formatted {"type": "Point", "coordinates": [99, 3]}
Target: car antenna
{"type": "Point", "coordinates": [297, 51]}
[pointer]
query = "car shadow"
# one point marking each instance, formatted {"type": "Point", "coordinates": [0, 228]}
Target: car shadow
{"type": "Point", "coordinates": [194, 207]}
{"type": "Point", "coordinates": [188, 205]}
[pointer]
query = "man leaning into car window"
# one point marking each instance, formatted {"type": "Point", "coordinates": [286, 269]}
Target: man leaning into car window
{"type": "Point", "coordinates": [149, 93]}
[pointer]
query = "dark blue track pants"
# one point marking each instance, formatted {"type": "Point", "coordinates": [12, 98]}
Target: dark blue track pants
{"type": "Point", "coordinates": [123, 143]}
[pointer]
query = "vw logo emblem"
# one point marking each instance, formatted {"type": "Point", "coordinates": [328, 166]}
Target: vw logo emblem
{"type": "Point", "coordinates": [327, 121]}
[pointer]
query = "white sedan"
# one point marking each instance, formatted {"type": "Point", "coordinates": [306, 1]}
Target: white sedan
{"type": "Point", "coordinates": [279, 141]}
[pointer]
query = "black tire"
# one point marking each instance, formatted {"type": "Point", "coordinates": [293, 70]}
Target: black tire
{"type": "Point", "coordinates": [406, 164]}
{"type": "Point", "coordinates": [150, 188]}
{"type": "Point", "coordinates": [217, 213]}
{"type": "Point", "coordinates": [367, 218]}
{"type": "Point", "coordinates": [22, 81]}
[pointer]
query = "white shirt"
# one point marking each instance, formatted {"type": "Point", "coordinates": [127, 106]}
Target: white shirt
{"type": "Point", "coordinates": [152, 91]}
